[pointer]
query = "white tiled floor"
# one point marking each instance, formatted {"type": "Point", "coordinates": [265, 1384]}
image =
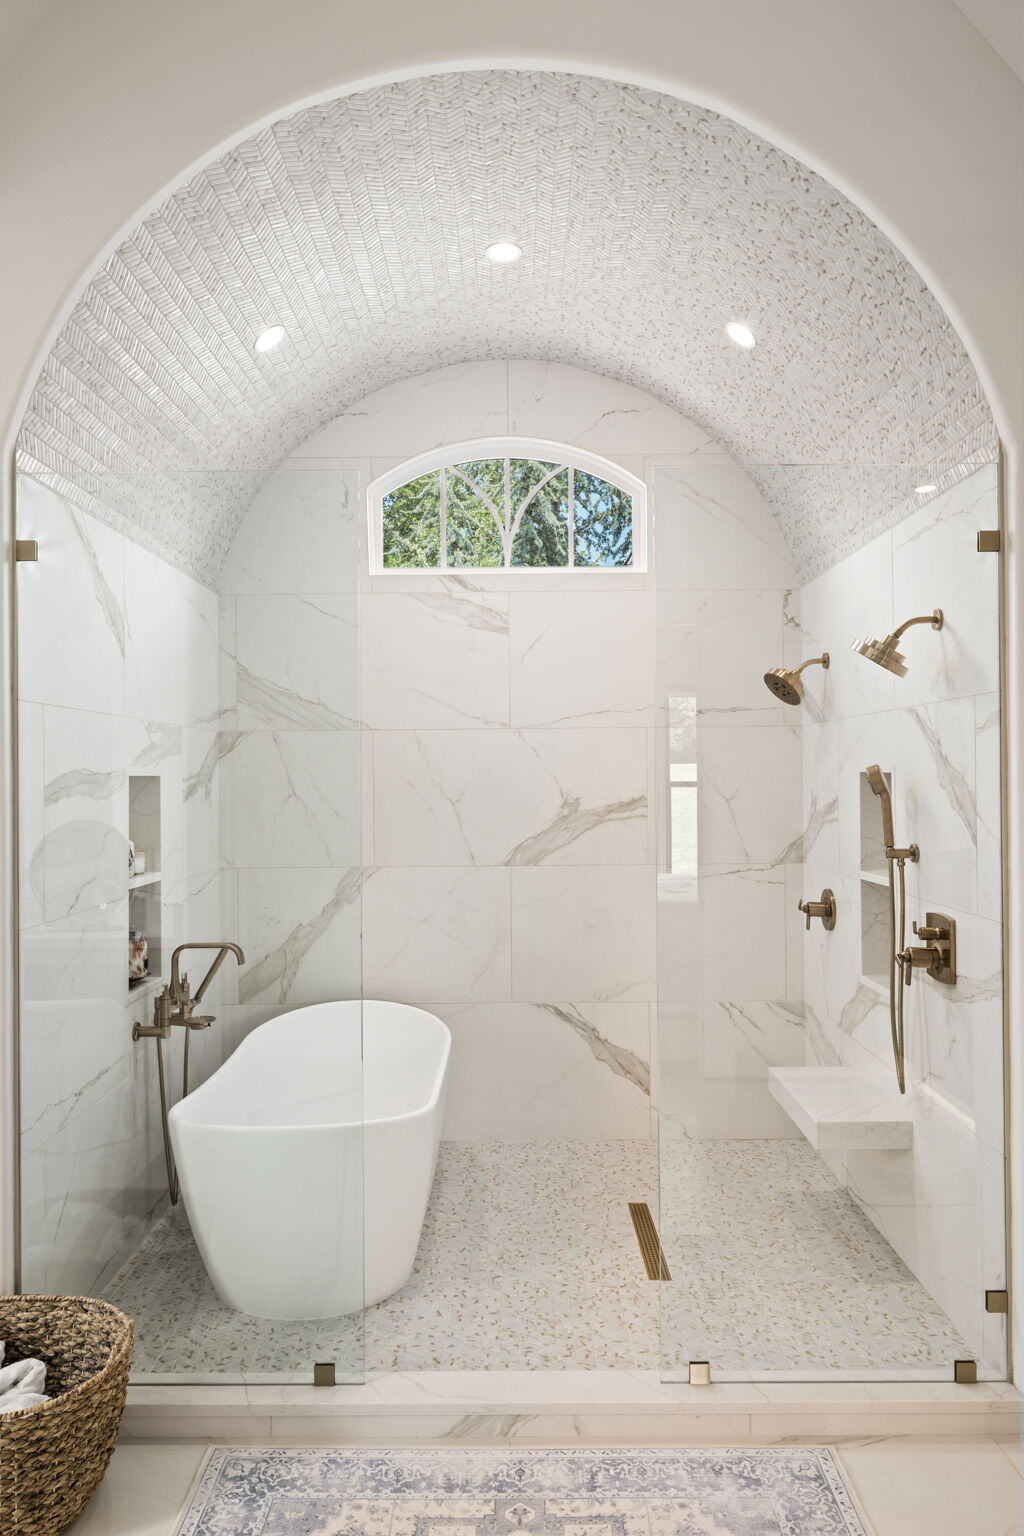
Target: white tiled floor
{"type": "Point", "coordinates": [905, 1487]}
{"type": "Point", "coordinates": [528, 1261]}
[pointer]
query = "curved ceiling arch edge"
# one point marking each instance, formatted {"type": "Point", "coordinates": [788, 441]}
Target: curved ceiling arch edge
{"type": "Point", "coordinates": [153, 408]}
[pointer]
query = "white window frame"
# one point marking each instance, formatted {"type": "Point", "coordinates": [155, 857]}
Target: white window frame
{"type": "Point", "coordinates": [504, 448]}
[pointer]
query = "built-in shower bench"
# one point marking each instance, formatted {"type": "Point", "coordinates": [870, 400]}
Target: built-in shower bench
{"type": "Point", "coordinates": [838, 1110]}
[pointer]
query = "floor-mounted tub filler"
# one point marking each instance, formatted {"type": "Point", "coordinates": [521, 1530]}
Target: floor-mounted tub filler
{"type": "Point", "coordinates": [306, 1160]}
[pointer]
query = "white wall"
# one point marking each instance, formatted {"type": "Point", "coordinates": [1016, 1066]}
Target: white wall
{"type": "Point", "coordinates": [937, 732]}
{"type": "Point", "coordinates": [511, 751]}
{"type": "Point", "coordinates": [117, 676]}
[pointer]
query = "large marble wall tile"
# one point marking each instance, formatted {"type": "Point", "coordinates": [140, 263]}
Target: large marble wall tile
{"type": "Point", "coordinates": [237, 1020]}
{"type": "Point", "coordinates": [934, 798]}
{"type": "Point", "coordinates": [847, 603]}
{"type": "Point", "coordinates": [510, 797]}
{"type": "Point", "coordinates": [201, 800]}
{"type": "Point", "coordinates": [301, 533]}
{"type": "Point", "coordinates": [742, 913]}
{"type": "Point", "coordinates": [742, 1040]}
{"type": "Point", "coordinates": [171, 670]}
{"type": "Point", "coordinates": [583, 659]}
{"type": "Point", "coordinates": [955, 1034]}
{"type": "Point", "coordinates": [300, 930]}
{"type": "Point", "coordinates": [822, 748]}
{"type": "Point", "coordinates": [74, 1030]}
{"type": "Point", "coordinates": [291, 799]}
{"type": "Point", "coordinates": [436, 934]}
{"type": "Point", "coordinates": [447, 405]}
{"type": "Point", "coordinates": [433, 660]}
{"type": "Point", "coordinates": [680, 955]}
{"type": "Point", "coordinates": [88, 1172]}
{"type": "Point", "coordinates": [71, 615]}
{"type": "Point", "coordinates": [718, 645]}
{"type": "Point", "coordinates": [988, 725]}
{"type": "Point", "coordinates": [31, 820]}
{"type": "Point", "coordinates": [936, 565]}
{"type": "Point", "coordinates": [529, 1071]}
{"type": "Point", "coordinates": [749, 795]}
{"type": "Point", "coordinates": [297, 662]}
{"type": "Point", "coordinates": [712, 528]}
{"type": "Point", "coordinates": [583, 933]}
{"type": "Point", "coordinates": [82, 861]}
{"type": "Point", "coordinates": [568, 405]}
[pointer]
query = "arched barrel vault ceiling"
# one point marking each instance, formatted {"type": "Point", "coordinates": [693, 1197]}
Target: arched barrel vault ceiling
{"type": "Point", "coordinates": [360, 225]}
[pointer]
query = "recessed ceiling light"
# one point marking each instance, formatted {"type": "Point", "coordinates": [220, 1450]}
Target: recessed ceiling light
{"type": "Point", "coordinates": [502, 251]}
{"type": "Point", "coordinates": [741, 334]}
{"type": "Point", "coordinates": [272, 337]}
{"type": "Point", "coordinates": [925, 490]}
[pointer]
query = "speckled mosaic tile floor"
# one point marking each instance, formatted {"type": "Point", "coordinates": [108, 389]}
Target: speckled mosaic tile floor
{"type": "Point", "coordinates": [528, 1261]}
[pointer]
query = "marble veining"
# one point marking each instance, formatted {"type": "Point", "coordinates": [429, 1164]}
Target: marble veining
{"type": "Point", "coordinates": [622, 1062]}
{"type": "Point", "coordinates": [273, 974]}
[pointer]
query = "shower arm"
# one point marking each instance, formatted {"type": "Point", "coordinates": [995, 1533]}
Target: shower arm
{"type": "Point", "coordinates": [815, 661]}
{"type": "Point", "coordinates": [934, 619]}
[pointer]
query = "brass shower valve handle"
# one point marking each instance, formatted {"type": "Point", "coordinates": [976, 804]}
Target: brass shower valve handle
{"type": "Point", "coordinates": [825, 909]}
{"type": "Point", "coordinates": [936, 956]}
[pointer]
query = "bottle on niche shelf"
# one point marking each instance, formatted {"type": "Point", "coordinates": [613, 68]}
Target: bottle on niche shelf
{"type": "Point", "coordinates": [138, 955]}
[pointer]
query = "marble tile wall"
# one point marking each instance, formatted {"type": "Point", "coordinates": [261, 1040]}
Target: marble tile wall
{"type": "Point", "coordinates": [936, 732]}
{"type": "Point", "coordinates": [468, 768]}
{"type": "Point", "coordinates": [117, 676]}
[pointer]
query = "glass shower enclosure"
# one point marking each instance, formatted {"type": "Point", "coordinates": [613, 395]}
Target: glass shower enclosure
{"type": "Point", "coordinates": [165, 757]}
{"type": "Point", "coordinates": [817, 1223]}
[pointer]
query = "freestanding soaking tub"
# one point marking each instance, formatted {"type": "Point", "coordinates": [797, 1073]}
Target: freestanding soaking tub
{"type": "Point", "coordinates": [306, 1160]}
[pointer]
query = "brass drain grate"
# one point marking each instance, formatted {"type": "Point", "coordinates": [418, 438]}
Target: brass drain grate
{"type": "Point", "coordinates": [649, 1241]}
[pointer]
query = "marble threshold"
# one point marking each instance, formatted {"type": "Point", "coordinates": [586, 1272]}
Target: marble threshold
{"type": "Point", "coordinates": [567, 1407]}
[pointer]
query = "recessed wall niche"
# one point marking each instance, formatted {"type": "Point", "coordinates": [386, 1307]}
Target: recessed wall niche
{"type": "Point", "coordinates": [145, 896]}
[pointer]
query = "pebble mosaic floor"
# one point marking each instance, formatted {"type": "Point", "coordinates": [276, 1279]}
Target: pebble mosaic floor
{"type": "Point", "coordinates": [529, 1261]}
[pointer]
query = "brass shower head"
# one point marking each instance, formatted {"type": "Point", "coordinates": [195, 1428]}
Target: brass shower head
{"type": "Point", "coordinates": [787, 685]}
{"type": "Point", "coordinates": [885, 653]}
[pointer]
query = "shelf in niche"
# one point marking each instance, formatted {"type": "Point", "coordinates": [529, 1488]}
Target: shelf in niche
{"type": "Point", "coordinates": [879, 984]}
{"type": "Point", "coordinates": [145, 892]}
{"type": "Point", "coordinates": [137, 881]}
{"type": "Point", "coordinates": [876, 877]}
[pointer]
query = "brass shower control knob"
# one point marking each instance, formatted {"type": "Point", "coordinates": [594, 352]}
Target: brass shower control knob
{"type": "Point", "coordinates": [825, 909]}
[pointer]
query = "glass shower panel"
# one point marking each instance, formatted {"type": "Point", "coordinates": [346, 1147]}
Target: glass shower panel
{"type": "Point", "coordinates": [189, 774]}
{"type": "Point", "coordinates": [816, 1223]}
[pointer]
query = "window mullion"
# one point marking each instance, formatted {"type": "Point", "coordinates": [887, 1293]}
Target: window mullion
{"type": "Point", "coordinates": [572, 516]}
{"type": "Point", "coordinates": [444, 519]}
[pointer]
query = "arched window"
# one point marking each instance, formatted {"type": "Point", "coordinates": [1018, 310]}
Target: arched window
{"type": "Point", "coordinates": [507, 504]}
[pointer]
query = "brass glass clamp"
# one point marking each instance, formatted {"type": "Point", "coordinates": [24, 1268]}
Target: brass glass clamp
{"type": "Point", "coordinates": [825, 909]}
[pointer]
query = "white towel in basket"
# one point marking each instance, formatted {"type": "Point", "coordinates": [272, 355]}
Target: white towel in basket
{"type": "Point", "coordinates": [21, 1384]}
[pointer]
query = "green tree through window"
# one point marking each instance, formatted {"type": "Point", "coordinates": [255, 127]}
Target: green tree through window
{"type": "Point", "coordinates": [501, 512]}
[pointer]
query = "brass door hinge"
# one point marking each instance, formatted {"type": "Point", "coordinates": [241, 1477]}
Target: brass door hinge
{"type": "Point", "coordinates": [990, 541]}
{"type": "Point", "coordinates": [965, 1372]}
{"type": "Point", "coordinates": [26, 549]}
{"type": "Point", "coordinates": [323, 1374]}
{"type": "Point", "coordinates": [997, 1301]}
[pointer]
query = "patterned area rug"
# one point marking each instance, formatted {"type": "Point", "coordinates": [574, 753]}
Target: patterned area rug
{"type": "Point", "coordinates": [780, 1491]}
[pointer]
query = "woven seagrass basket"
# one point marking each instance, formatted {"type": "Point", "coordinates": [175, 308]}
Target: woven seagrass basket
{"type": "Point", "coordinates": [53, 1457]}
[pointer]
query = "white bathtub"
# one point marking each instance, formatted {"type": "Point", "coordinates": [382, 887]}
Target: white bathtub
{"type": "Point", "coordinates": [305, 1170]}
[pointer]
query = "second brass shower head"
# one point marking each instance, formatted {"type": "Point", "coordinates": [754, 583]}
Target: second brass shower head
{"type": "Point", "coordinates": [788, 686]}
{"type": "Point", "coordinates": [885, 653]}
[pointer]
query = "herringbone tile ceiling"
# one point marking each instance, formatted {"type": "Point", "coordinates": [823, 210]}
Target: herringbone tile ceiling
{"type": "Point", "coordinates": [360, 225]}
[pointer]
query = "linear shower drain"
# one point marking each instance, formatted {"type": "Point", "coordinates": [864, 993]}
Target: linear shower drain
{"type": "Point", "coordinates": [649, 1241]}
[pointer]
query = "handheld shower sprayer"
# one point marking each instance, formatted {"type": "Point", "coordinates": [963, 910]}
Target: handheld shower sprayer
{"type": "Point", "coordinates": [896, 862]}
